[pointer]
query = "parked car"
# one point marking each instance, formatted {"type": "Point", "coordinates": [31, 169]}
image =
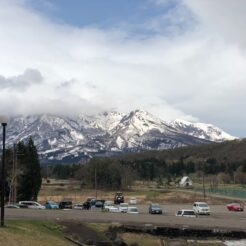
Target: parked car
{"type": "Point", "coordinates": [155, 208]}
{"type": "Point", "coordinates": [78, 206]}
{"type": "Point", "coordinates": [186, 213]}
{"type": "Point", "coordinates": [31, 204]}
{"type": "Point", "coordinates": [235, 206]}
{"type": "Point", "coordinates": [108, 204]}
{"type": "Point", "coordinates": [90, 202]}
{"type": "Point", "coordinates": [12, 205]}
{"type": "Point", "coordinates": [201, 208]}
{"type": "Point", "coordinates": [51, 205]}
{"type": "Point", "coordinates": [99, 203]}
{"type": "Point", "coordinates": [133, 200]}
{"type": "Point", "coordinates": [123, 207]}
{"type": "Point", "coordinates": [118, 198]}
{"type": "Point", "coordinates": [132, 210]}
{"type": "Point", "coordinates": [86, 205]}
{"type": "Point", "coordinates": [65, 204]}
{"type": "Point", "coordinates": [113, 209]}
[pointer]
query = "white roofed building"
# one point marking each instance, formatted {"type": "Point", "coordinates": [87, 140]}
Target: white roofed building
{"type": "Point", "coordinates": [186, 182]}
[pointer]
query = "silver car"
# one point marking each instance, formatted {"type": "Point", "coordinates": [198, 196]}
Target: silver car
{"type": "Point", "coordinates": [31, 204]}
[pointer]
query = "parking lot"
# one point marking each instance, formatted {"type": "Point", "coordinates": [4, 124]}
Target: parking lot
{"type": "Point", "coordinates": [220, 218]}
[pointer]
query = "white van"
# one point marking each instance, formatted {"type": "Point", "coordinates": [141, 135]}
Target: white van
{"type": "Point", "coordinates": [201, 208]}
{"type": "Point", "coordinates": [133, 200]}
{"type": "Point", "coordinates": [123, 207]}
{"type": "Point", "coordinates": [31, 204]}
{"type": "Point", "coordinates": [186, 213]}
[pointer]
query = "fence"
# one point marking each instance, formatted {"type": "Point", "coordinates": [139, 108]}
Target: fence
{"type": "Point", "coordinates": [229, 192]}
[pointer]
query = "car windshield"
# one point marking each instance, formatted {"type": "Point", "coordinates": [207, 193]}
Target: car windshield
{"type": "Point", "coordinates": [155, 206]}
{"type": "Point", "coordinates": [133, 209]}
{"type": "Point", "coordinates": [66, 202]}
{"type": "Point", "coordinates": [108, 203]}
{"type": "Point", "coordinates": [203, 205]}
{"type": "Point", "coordinates": [124, 205]}
{"type": "Point", "coordinates": [189, 212]}
{"type": "Point", "coordinates": [52, 203]}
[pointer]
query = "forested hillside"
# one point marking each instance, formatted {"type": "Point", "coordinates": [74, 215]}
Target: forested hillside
{"type": "Point", "coordinates": [226, 160]}
{"type": "Point", "coordinates": [230, 151]}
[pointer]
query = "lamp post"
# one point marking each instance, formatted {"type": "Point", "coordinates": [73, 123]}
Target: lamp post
{"type": "Point", "coordinates": [3, 121]}
{"type": "Point", "coordinates": [203, 182]}
{"type": "Point", "coordinates": [95, 175]}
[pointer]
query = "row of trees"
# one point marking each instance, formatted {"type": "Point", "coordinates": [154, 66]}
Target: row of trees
{"type": "Point", "coordinates": [23, 171]}
{"type": "Point", "coordinates": [120, 172]}
{"type": "Point", "coordinates": [226, 160]}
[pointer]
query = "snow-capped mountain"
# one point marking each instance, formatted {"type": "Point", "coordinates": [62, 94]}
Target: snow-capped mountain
{"type": "Point", "coordinates": [66, 138]}
{"type": "Point", "coordinates": [202, 130]}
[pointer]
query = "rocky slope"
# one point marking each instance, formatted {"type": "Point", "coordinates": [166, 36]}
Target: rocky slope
{"type": "Point", "coordinates": [60, 138]}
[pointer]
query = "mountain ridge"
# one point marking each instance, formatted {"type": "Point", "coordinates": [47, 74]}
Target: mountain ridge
{"type": "Point", "coordinates": [63, 138]}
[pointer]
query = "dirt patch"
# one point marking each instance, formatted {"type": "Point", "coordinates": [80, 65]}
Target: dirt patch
{"type": "Point", "coordinates": [183, 197]}
{"type": "Point", "coordinates": [82, 233]}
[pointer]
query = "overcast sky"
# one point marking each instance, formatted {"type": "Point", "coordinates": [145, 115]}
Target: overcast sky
{"type": "Point", "coordinates": [174, 58]}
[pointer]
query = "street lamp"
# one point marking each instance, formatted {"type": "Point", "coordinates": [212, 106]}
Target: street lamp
{"type": "Point", "coordinates": [95, 174]}
{"type": "Point", "coordinates": [3, 122]}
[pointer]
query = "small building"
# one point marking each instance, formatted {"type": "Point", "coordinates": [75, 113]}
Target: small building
{"type": "Point", "coordinates": [185, 182]}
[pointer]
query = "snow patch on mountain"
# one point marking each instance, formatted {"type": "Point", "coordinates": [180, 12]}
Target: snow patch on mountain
{"type": "Point", "coordinates": [60, 137]}
{"type": "Point", "coordinates": [202, 130]}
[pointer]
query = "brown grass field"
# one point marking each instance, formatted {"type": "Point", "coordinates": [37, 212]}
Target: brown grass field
{"type": "Point", "coordinates": [59, 189]}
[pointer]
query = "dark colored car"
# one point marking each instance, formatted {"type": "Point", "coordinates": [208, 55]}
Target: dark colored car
{"type": "Point", "coordinates": [66, 204]}
{"type": "Point", "coordinates": [99, 203]}
{"type": "Point", "coordinates": [118, 198]}
{"type": "Point", "coordinates": [90, 202]}
{"type": "Point", "coordinates": [154, 208]}
{"type": "Point", "coordinates": [86, 205]}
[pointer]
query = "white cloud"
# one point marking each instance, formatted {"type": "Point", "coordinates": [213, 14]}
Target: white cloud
{"type": "Point", "coordinates": [224, 18]}
{"type": "Point", "coordinates": [196, 74]}
{"type": "Point", "coordinates": [21, 82]}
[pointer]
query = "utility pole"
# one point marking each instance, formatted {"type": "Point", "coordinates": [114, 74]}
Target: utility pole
{"type": "Point", "coordinates": [13, 184]}
{"type": "Point", "coordinates": [15, 175]}
{"type": "Point", "coordinates": [96, 180]}
{"type": "Point", "coordinates": [203, 183]}
{"type": "Point", "coordinates": [4, 124]}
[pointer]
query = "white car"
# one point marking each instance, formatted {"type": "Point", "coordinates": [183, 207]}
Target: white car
{"type": "Point", "coordinates": [113, 209]}
{"type": "Point", "coordinates": [108, 204]}
{"type": "Point", "coordinates": [186, 213]}
{"type": "Point", "coordinates": [132, 210]}
{"type": "Point", "coordinates": [123, 207]}
{"type": "Point", "coordinates": [31, 204]}
{"type": "Point", "coordinates": [78, 206]}
{"type": "Point", "coordinates": [201, 208]}
{"type": "Point", "coordinates": [133, 201]}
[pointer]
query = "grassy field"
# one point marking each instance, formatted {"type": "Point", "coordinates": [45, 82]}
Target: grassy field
{"type": "Point", "coordinates": [144, 192]}
{"type": "Point", "coordinates": [32, 233]}
{"type": "Point", "coordinates": [40, 233]}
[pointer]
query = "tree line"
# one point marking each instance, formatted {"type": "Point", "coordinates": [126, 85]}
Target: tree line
{"type": "Point", "coordinates": [23, 172]}
{"type": "Point", "coordinates": [120, 173]}
{"type": "Point", "coordinates": [225, 160]}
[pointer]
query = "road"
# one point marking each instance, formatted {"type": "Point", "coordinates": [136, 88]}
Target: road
{"type": "Point", "coordinates": [220, 218]}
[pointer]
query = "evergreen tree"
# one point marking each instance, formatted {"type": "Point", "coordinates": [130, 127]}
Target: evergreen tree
{"type": "Point", "coordinates": [29, 179]}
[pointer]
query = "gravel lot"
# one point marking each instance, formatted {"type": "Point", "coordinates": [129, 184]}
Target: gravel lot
{"type": "Point", "coordinates": [220, 218]}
